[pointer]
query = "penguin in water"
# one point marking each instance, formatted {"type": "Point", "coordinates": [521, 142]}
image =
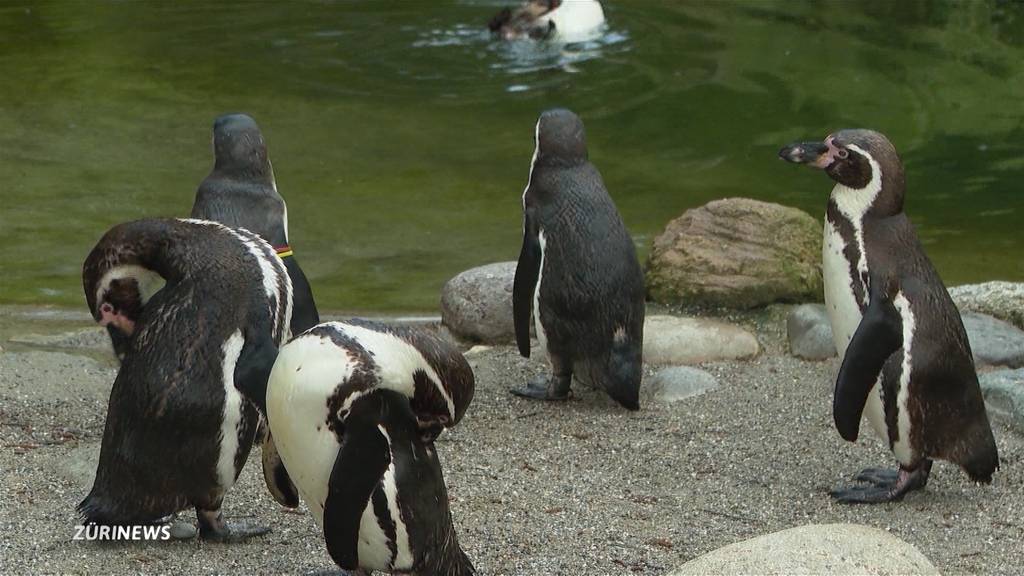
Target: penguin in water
{"type": "Point", "coordinates": [906, 363]}
{"type": "Point", "coordinates": [354, 408]}
{"type": "Point", "coordinates": [578, 277]}
{"type": "Point", "coordinates": [178, 431]}
{"type": "Point", "coordinates": [565, 20]}
{"type": "Point", "coordinates": [240, 192]}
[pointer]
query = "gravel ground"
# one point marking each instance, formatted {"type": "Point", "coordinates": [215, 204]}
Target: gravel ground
{"type": "Point", "coordinates": [576, 488]}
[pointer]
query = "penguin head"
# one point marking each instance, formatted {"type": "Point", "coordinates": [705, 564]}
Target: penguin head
{"type": "Point", "coordinates": [859, 160]}
{"type": "Point", "coordinates": [560, 139]}
{"type": "Point", "coordinates": [120, 295]}
{"type": "Point", "coordinates": [238, 146]}
{"type": "Point", "coordinates": [524, 21]}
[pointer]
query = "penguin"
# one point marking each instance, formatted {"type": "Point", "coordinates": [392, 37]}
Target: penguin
{"type": "Point", "coordinates": [578, 277]}
{"type": "Point", "coordinates": [240, 192]}
{"type": "Point", "coordinates": [178, 431]}
{"type": "Point", "coordinates": [354, 408]}
{"type": "Point", "coordinates": [564, 20]}
{"type": "Point", "coordinates": [906, 360]}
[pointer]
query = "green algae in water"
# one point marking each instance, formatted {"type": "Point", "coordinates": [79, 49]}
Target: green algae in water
{"type": "Point", "coordinates": [401, 134]}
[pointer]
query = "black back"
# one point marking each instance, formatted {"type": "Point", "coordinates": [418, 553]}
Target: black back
{"type": "Point", "coordinates": [240, 192]}
{"type": "Point", "coordinates": [592, 290]}
{"type": "Point", "coordinates": [160, 443]}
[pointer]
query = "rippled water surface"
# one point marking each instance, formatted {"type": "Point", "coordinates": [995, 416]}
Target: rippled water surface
{"type": "Point", "coordinates": [401, 134]}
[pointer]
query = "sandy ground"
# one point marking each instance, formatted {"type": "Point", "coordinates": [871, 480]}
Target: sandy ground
{"type": "Point", "coordinates": [576, 488]}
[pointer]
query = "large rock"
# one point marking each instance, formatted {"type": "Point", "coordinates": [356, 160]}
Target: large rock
{"type": "Point", "coordinates": [737, 253]}
{"type": "Point", "coordinates": [476, 305]}
{"type": "Point", "coordinates": [676, 383]}
{"type": "Point", "coordinates": [1003, 300]}
{"type": "Point", "coordinates": [1004, 395]}
{"type": "Point", "coordinates": [815, 549]}
{"type": "Point", "coordinates": [676, 341]}
{"type": "Point", "coordinates": [810, 333]}
{"type": "Point", "coordinates": [994, 342]}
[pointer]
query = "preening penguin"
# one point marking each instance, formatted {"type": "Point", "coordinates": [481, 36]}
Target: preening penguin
{"type": "Point", "coordinates": [178, 431]}
{"type": "Point", "coordinates": [354, 408]}
{"type": "Point", "coordinates": [907, 363]}
{"type": "Point", "coordinates": [565, 20]}
{"type": "Point", "coordinates": [240, 192]}
{"type": "Point", "coordinates": [578, 277]}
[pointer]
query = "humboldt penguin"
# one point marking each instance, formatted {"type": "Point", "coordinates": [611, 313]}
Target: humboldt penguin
{"type": "Point", "coordinates": [178, 431]}
{"type": "Point", "coordinates": [240, 192]}
{"type": "Point", "coordinates": [564, 20]}
{"type": "Point", "coordinates": [354, 408]}
{"type": "Point", "coordinates": [578, 277]}
{"type": "Point", "coordinates": [906, 361]}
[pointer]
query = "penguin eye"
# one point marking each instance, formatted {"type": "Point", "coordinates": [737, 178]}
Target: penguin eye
{"type": "Point", "coordinates": [843, 153]}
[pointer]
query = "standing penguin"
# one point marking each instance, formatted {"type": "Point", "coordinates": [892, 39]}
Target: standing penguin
{"type": "Point", "coordinates": [354, 408]}
{"type": "Point", "coordinates": [178, 431]}
{"type": "Point", "coordinates": [906, 359]}
{"type": "Point", "coordinates": [578, 276]}
{"type": "Point", "coordinates": [240, 192]}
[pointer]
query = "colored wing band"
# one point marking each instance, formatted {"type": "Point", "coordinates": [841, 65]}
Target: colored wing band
{"type": "Point", "coordinates": [283, 251]}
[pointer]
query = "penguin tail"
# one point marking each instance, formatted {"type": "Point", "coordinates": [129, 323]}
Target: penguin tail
{"type": "Point", "coordinates": [981, 457]}
{"type": "Point", "coordinates": [623, 373]}
{"type": "Point", "coordinates": [93, 510]}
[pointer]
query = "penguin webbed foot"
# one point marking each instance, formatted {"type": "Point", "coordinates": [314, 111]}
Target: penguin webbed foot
{"type": "Point", "coordinates": [884, 485]}
{"type": "Point", "coordinates": [545, 388]}
{"type": "Point", "coordinates": [213, 528]}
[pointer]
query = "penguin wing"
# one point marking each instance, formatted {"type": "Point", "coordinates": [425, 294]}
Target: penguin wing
{"type": "Point", "coordinates": [879, 334]}
{"type": "Point", "coordinates": [358, 469]}
{"type": "Point", "coordinates": [527, 273]}
{"type": "Point", "coordinates": [304, 312]}
{"type": "Point", "coordinates": [276, 476]}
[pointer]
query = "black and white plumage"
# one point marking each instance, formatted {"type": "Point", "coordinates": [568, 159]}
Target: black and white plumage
{"type": "Point", "coordinates": [563, 20]}
{"type": "Point", "coordinates": [354, 408]}
{"type": "Point", "coordinates": [178, 431]}
{"type": "Point", "coordinates": [907, 363]}
{"type": "Point", "coordinates": [578, 277]}
{"type": "Point", "coordinates": [240, 192]}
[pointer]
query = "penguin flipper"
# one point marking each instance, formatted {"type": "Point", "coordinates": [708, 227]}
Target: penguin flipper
{"type": "Point", "coordinates": [252, 370]}
{"type": "Point", "coordinates": [879, 334]}
{"type": "Point", "coordinates": [358, 469]}
{"type": "Point", "coordinates": [304, 312]}
{"type": "Point", "coordinates": [276, 476]}
{"type": "Point", "coordinates": [527, 274]}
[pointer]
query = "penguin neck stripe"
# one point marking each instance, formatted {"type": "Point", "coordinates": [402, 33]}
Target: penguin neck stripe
{"type": "Point", "coordinates": [283, 251]}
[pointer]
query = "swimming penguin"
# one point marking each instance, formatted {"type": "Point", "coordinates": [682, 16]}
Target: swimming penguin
{"type": "Point", "coordinates": [178, 431]}
{"type": "Point", "coordinates": [564, 20]}
{"type": "Point", "coordinates": [354, 408]}
{"type": "Point", "coordinates": [907, 363]}
{"type": "Point", "coordinates": [578, 276]}
{"type": "Point", "coordinates": [240, 192]}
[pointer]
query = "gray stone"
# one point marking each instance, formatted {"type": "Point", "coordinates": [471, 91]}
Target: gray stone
{"type": "Point", "coordinates": [815, 549]}
{"type": "Point", "coordinates": [1004, 395]}
{"type": "Point", "coordinates": [1003, 300]}
{"type": "Point", "coordinates": [476, 305]}
{"type": "Point", "coordinates": [676, 383]}
{"type": "Point", "coordinates": [810, 332]}
{"type": "Point", "coordinates": [182, 530]}
{"type": "Point", "coordinates": [79, 465]}
{"type": "Point", "coordinates": [678, 340]}
{"type": "Point", "coordinates": [994, 342]}
{"type": "Point", "coordinates": [737, 253]}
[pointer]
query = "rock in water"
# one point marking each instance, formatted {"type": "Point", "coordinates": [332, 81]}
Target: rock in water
{"type": "Point", "coordinates": [994, 342]}
{"type": "Point", "coordinates": [1003, 300]}
{"type": "Point", "coordinates": [810, 333]}
{"type": "Point", "coordinates": [737, 253]}
{"type": "Point", "coordinates": [815, 549]}
{"type": "Point", "coordinates": [1004, 395]}
{"type": "Point", "coordinates": [678, 341]}
{"type": "Point", "coordinates": [476, 305]}
{"type": "Point", "coordinates": [679, 383]}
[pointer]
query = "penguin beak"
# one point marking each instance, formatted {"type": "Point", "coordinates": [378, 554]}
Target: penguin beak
{"type": "Point", "coordinates": [815, 154]}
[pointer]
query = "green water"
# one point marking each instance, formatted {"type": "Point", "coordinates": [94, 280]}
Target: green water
{"type": "Point", "coordinates": [401, 135]}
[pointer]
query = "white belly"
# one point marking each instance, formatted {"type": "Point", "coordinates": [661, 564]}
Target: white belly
{"type": "Point", "coordinates": [844, 314]}
{"type": "Point", "coordinates": [542, 337]}
{"type": "Point", "coordinates": [305, 375]}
